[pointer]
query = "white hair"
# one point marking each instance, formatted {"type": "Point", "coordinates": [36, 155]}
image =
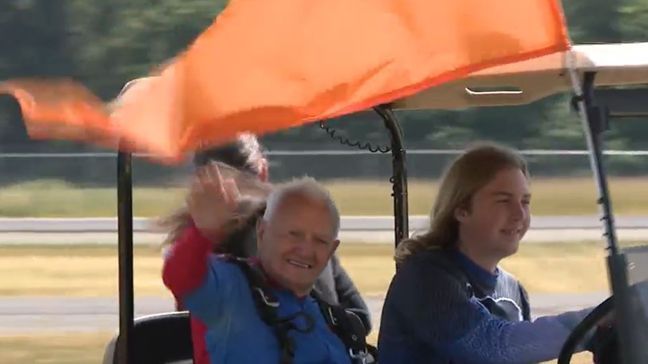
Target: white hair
{"type": "Point", "coordinates": [304, 187]}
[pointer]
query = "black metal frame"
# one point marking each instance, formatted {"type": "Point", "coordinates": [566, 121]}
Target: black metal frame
{"type": "Point", "coordinates": [399, 176]}
{"type": "Point", "coordinates": [125, 248]}
{"type": "Point", "coordinates": [596, 107]}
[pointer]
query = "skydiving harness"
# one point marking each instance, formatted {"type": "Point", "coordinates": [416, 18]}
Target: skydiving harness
{"type": "Point", "coordinates": [345, 324]}
{"type": "Point", "coordinates": [472, 290]}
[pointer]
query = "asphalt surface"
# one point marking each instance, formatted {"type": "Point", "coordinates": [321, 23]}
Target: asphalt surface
{"type": "Point", "coordinates": [367, 237]}
{"type": "Point", "coordinates": [361, 229]}
{"type": "Point", "coordinates": [348, 223]}
{"type": "Point", "coordinates": [25, 315]}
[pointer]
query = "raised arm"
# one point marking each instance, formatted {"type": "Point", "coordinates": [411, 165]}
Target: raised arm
{"type": "Point", "coordinates": [187, 262]}
{"type": "Point", "coordinates": [189, 269]}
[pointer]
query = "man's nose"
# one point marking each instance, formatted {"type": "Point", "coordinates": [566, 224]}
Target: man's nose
{"type": "Point", "coordinates": [518, 211]}
{"type": "Point", "coordinates": [307, 246]}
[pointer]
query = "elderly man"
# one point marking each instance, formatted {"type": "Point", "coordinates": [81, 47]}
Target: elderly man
{"type": "Point", "coordinates": [263, 311]}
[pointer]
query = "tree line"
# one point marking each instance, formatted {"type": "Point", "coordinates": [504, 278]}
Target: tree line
{"type": "Point", "coordinates": [105, 44]}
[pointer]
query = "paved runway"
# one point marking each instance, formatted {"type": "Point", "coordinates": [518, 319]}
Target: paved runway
{"type": "Point", "coordinates": [363, 229]}
{"type": "Point", "coordinates": [366, 237]}
{"type": "Point", "coordinates": [25, 315]}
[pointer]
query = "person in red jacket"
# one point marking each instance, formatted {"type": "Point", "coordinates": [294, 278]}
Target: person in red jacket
{"type": "Point", "coordinates": [334, 285]}
{"type": "Point", "coordinates": [286, 323]}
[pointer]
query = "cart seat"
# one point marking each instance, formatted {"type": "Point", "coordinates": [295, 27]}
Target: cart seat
{"type": "Point", "coordinates": [157, 339]}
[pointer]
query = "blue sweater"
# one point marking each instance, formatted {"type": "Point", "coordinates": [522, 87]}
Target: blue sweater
{"type": "Point", "coordinates": [236, 333]}
{"type": "Point", "coordinates": [430, 315]}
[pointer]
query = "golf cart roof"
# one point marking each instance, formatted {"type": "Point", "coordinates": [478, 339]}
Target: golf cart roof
{"type": "Point", "coordinates": [528, 81]}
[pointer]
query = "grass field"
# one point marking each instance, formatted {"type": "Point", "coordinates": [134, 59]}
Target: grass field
{"type": "Point", "coordinates": [563, 196]}
{"type": "Point", "coordinates": [65, 348]}
{"type": "Point", "coordinates": [92, 271]}
{"type": "Point", "coordinates": [84, 349]}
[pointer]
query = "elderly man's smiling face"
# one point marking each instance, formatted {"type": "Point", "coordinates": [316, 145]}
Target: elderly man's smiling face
{"type": "Point", "coordinates": [296, 242]}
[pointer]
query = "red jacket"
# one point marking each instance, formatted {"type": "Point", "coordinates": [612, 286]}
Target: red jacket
{"type": "Point", "coordinates": [181, 274]}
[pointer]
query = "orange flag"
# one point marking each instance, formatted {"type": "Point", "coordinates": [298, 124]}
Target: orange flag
{"type": "Point", "coordinates": [263, 66]}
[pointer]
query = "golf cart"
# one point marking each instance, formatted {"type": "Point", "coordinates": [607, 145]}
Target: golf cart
{"type": "Point", "coordinates": [591, 71]}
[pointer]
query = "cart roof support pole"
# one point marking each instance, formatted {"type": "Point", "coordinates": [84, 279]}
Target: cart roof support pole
{"type": "Point", "coordinates": [399, 176]}
{"type": "Point", "coordinates": [125, 249]}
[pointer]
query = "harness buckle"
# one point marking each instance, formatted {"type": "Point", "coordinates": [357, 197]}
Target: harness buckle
{"type": "Point", "coordinates": [265, 298]}
{"type": "Point", "coordinates": [360, 356]}
{"type": "Point", "coordinates": [334, 320]}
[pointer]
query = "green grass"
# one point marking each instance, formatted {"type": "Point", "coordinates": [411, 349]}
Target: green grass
{"type": "Point", "coordinates": [92, 271]}
{"type": "Point", "coordinates": [84, 348]}
{"type": "Point", "coordinates": [564, 196]}
{"type": "Point", "coordinates": [63, 348]}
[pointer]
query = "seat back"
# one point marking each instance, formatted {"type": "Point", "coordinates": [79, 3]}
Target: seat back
{"type": "Point", "coordinates": [157, 339]}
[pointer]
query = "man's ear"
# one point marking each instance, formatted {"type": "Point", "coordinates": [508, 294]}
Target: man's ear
{"type": "Point", "coordinates": [264, 174]}
{"type": "Point", "coordinates": [260, 230]}
{"type": "Point", "coordinates": [336, 244]}
{"type": "Point", "coordinates": [460, 214]}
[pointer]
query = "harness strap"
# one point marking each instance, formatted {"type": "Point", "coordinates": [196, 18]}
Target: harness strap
{"type": "Point", "coordinates": [267, 305]}
{"type": "Point", "coordinates": [474, 290]}
{"type": "Point", "coordinates": [350, 329]}
{"type": "Point", "coordinates": [526, 308]}
{"type": "Point", "coordinates": [345, 324]}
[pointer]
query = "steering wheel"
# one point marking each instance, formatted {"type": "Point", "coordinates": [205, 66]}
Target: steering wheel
{"type": "Point", "coordinates": [580, 331]}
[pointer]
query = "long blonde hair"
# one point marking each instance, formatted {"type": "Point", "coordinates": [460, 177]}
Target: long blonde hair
{"type": "Point", "coordinates": [468, 173]}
